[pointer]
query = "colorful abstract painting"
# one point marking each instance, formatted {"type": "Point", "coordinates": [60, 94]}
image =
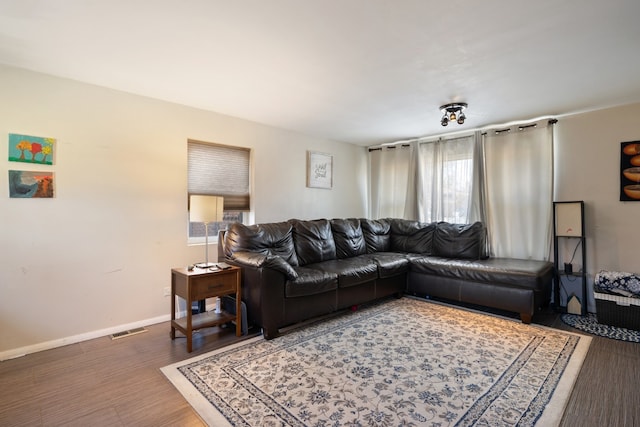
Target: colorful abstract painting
{"type": "Point", "coordinates": [30, 184]}
{"type": "Point", "coordinates": [31, 149]}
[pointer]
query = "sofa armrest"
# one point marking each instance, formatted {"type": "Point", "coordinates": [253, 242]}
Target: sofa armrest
{"type": "Point", "coordinates": [262, 292]}
{"type": "Point", "coordinates": [258, 260]}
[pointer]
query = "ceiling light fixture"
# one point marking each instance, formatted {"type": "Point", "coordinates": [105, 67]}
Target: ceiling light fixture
{"type": "Point", "coordinates": [453, 112]}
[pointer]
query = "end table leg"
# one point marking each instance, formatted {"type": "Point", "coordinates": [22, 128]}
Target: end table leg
{"type": "Point", "coordinates": [189, 326]}
{"type": "Point", "coordinates": [238, 315]}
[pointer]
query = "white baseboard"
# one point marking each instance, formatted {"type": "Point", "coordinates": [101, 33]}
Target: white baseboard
{"type": "Point", "coordinates": [48, 345]}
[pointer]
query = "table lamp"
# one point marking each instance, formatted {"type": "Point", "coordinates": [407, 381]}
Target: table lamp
{"type": "Point", "coordinates": [206, 209]}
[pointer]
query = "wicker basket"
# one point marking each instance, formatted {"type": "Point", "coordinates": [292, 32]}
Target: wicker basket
{"type": "Point", "coordinates": [614, 310]}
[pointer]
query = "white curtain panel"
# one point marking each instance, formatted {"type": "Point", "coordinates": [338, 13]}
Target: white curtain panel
{"type": "Point", "coordinates": [477, 210]}
{"type": "Point", "coordinates": [389, 180]}
{"type": "Point", "coordinates": [519, 191]}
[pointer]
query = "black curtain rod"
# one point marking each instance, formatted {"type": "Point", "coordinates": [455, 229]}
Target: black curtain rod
{"type": "Point", "coordinates": [521, 127]}
{"type": "Point", "coordinates": [390, 147]}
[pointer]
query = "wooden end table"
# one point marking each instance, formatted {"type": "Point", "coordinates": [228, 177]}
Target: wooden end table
{"type": "Point", "coordinates": [199, 284]}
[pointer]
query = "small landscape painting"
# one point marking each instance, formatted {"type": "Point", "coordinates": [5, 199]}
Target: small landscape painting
{"type": "Point", "coordinates": [630, 171]}
{"type": "Point", "coordinates": [30, 184]}
{"type": "Point", "coordinates": [31, 149]}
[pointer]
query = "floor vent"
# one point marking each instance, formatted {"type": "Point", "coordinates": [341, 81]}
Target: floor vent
{"type": "Point", "coordinates": [128, 333]}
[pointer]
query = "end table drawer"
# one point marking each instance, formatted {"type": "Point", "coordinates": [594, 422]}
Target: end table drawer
{"type": "Point", "coordinates": [204, 286]}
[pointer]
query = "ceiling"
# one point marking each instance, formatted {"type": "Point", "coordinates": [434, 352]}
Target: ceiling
{"type": "Point", "coordinates": [359, 71]}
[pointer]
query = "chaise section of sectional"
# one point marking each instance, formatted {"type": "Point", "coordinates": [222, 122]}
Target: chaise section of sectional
{"type": "Point", "coordinates": [458, 268]}
{"type": "Point", "coordinates": [509, 284]}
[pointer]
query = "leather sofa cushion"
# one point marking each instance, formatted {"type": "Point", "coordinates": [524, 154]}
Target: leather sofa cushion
{"type": "Point", "coordinates": [313, 241]}
{"type": "Point", "coordinates": [525, 273]}
{"type": "Point", "coordinates": [348, 237]}
{"type": "Point", "coordinates": [266, 239]}
{"type": "Point", "coordinates": [377, 235]}
{"type": "Point", "coordinates": [465, 241]}
{"type": "Point", "coordinates": [310, 281]}
{"type": "Point", "coordinates": [390, 263]}
{"type": "Point", "coordinates": [411, 236]}
{"type": "Point", "coordinates": [350, 271]}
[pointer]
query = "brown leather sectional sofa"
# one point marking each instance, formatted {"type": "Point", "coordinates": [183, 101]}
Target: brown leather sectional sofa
{"type": "Point", "coordinates": [296, 270]}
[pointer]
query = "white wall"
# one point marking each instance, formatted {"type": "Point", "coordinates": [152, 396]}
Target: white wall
{"type": "Point", "coordinates": [587, 167]}
{"type": "Point", "coordinates": [98, 255]}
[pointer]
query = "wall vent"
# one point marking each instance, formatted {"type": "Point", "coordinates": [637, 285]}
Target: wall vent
{"type": "Point", "coordinates": [128, 333]}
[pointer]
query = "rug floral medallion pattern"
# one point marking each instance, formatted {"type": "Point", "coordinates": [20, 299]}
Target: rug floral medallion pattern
{"type": "Point", "coordinates": [402, 363]}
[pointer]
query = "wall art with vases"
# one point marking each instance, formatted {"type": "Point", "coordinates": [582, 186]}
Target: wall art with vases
{"type": "Point", "coordinates": [630, 171]}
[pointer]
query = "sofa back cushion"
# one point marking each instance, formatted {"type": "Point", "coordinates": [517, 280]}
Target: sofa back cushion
{"type": "Point", "coordinates": [466, 241]}
{"type": "Point", "coordinates": [411, 236]}
{"type": "Point", "coordinates": [313, 241]}
{"type": "Point", "coordinates": [377, 235]}
{"type": "Point", "coordinates": [347, 234]}
{"type": "Point", "coordinates": [267, 239]}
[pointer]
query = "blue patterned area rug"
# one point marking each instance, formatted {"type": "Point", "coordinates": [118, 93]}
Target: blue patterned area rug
{"type": "Point", "coordinates": [405, 362]}
{"type": "Point", "coordinates": [590, 324]}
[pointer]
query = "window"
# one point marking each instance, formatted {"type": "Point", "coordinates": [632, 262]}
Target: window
{"type": "Point", "coordinates": [424, 180]}
{"type": "Point", "coordinates": [446, 169]}
{"type": "Point", "coordinates": [218, 170]}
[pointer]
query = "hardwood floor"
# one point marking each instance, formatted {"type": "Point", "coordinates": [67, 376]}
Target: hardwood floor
{"type": "Point", "coordinates": [118, 383]}
{"type": "Point", "coordinates": [607, 390]}
{"type": "Point", "coordinates": [103, 382]}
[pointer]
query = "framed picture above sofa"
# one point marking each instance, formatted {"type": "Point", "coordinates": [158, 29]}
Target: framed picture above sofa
{"type": "Point", "coordinates": [319, 170]}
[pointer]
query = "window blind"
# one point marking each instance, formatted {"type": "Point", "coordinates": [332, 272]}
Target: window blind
{"type": "Point", "coordinates": [219, 170]}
